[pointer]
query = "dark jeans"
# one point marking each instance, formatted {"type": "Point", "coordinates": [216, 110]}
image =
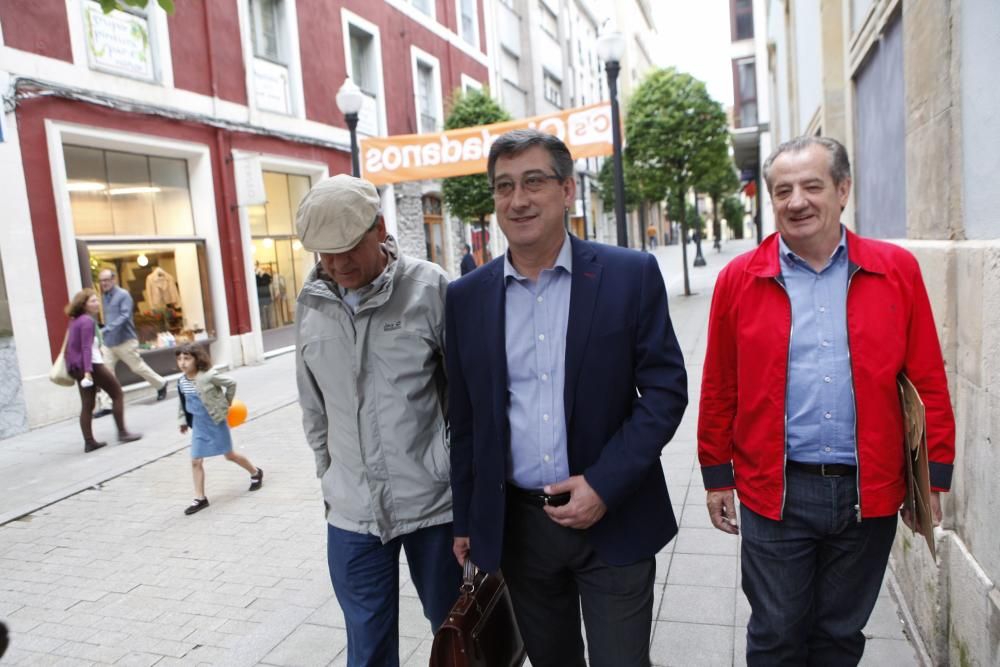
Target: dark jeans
{"type": "Point", "coordinates": [551, 571]}
{"type": "Point", "coordinates": [813, 578]}
{"type": "Point", "coordinates": [103, 379]}
{"type": "Point", "coordinates": [365, 575]}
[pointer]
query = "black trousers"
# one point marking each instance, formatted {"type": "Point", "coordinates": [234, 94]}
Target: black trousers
{"type": "Point", "coordinates": [552, 572]}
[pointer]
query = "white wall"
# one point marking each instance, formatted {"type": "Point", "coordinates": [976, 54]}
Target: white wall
{"type": "Point", "coordinates": [808, 72]}
{"type": "Point", "coordinates": [981, 117]}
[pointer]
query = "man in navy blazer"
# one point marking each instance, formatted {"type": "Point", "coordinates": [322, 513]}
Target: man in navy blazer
{"type": "Point", "coordinates": [565, 382]}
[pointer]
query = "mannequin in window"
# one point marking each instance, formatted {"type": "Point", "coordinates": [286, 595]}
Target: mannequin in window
{"type": "Point", "coordinates": [279, 291]}
{"type": "Point", "coordinates": [264, 297]}
{"type": "Point", "coordinates": [161, 289]}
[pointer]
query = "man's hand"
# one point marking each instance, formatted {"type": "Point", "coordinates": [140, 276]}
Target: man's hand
{"type": "Point", "coordinates": [461, 549]}
{"type": "Point", "coordinates": [585, 507]}
{"type": "Point", "coordinates": [935, 511]}
{"type": "Point", "coordinates": [722, 511]}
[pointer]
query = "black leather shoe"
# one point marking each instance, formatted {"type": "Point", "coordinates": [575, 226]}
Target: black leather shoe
{"type": "Point", "coordinates": [198, 505]}
{"type": "Point", "coordinates": [257, 480]}
{"type": "Point", "coordinates": [161, 393]}
{"type": "Point", "coordinates": [103, 412]}
{"type": "Point", "coordinates": [90, 446]}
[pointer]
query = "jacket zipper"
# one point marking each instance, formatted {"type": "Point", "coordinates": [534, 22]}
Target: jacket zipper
{"type": "Point", "coordinates": [854, 398]}
{"type": "Point", "coordinates": [788, 361]}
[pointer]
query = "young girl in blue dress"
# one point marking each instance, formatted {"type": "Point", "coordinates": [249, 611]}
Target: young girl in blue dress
{"type": "Point", "coordinates": [205, 399]}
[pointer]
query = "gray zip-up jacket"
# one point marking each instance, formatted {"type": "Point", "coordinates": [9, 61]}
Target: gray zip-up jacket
{"type": "Point", "coordinates": [372, 390]}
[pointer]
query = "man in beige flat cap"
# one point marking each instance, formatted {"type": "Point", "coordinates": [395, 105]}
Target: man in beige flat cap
{"type": "Point", "coordinates": [369, 345]}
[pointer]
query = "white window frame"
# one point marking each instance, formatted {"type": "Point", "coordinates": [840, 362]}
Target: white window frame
{"type": "Point", "coordinates": [433, 5]}
{"type": "Point", "coordinates": [289, 45]}
{"type": "Point", "coordinates": [347, 20]}
{"type": "Point", "coordinates": [544, 10]}
{"type": "Point", "coordinates": [468, 83]}
{"type": "Point", "coordinates": [159, 42]}
{"type": "Point", "coordinates": [202, 189]}
{"type": "Point", "coordinates": [419, 57]}
{"type": "Point", "coordinates": [549, 76]}
{"type": "Point", "coordinates": [475, 23]}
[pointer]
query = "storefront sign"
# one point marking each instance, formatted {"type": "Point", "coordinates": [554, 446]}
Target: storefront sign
{"type": "Point", "coordinates": [270, 86]}
{"type": "Point", "coordinates": [249, 181]}
{"type": "Point", "coordinates": [118, 42]}
{"type": "Point", "coordinates": [413, 157]}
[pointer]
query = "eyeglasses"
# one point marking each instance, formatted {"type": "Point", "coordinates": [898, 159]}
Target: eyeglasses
{"type": "Point", "coordinates": [534, 182]}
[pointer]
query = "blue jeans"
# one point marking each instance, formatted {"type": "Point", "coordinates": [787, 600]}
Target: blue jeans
{"type": "Point", "coordinates": [813, 578]}
{"type": "Point", "coordinates": [365, 576]}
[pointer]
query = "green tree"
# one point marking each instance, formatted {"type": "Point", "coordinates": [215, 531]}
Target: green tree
{"type": "Point", "coordinates": [605, 186]}
{"type": "Point", "coordinates": [718, 181]}
{"type": "Point", "coordinates": [675, 132]}
{"type": "Point", "coordinates": [110, 5]}
{"type": "Point", "coordinates": [469, 197]}
{"type": "Point", "coordinates": [732, 211]}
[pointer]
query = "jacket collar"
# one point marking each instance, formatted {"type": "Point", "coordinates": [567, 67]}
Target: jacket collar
{"type": "Point", "coordinates": [765, 263]}
{"type": "Point", "coordinates": [321, 286]}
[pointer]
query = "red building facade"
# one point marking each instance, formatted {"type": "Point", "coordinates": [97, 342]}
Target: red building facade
{"type": "Point", "coordinates": [174, 150]}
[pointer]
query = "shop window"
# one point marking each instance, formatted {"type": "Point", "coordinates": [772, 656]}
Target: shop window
{"type": "Point", "coordinates": [113, 193]}
{"type": "Point", "coordinates": [434, 229]}
{"type": "Point", "coordinates": [281, 264]}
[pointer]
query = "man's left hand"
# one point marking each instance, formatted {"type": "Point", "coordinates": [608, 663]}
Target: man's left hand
{"type": "Point", "coordinates": [585, 507]}
{"type": "Point", "coordinates": [935, 511]}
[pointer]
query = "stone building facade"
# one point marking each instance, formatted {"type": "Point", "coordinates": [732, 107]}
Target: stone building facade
{"type": "Point", "coordinates": [910, 86]}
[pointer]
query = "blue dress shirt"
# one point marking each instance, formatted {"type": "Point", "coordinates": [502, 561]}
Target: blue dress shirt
{"type": "Point", "coordinates": [819, 400]}
{"type": "Point", "coordinates": [118, 327]}
{"type": "Point", "coordinates": [537, 313]}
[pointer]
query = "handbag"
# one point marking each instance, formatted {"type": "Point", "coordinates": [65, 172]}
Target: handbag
{"type": "Point", "coordinates": [480, 630]}
{"type": "Point", "coordinates": [59, 374]}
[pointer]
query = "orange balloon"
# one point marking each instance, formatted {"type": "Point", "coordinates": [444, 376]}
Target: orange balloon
{"type": "Point", "coordinates": [237, 413]}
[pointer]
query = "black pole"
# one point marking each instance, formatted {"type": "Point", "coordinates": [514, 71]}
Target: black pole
{"type": "Point", "coordinates": [352, 126]}
{"type": "Point", "coordinates": [699, 259]}
{"type": "Point", "coordinates": [642, 224]}
{"type": "Point", "coordinates": [612, 69]}
{"type": "Point", "coordinates": [583, 201]}
{"type": "Point", "coordinates": [684, 240]}
{"type": "Point", "coordinates": [716, 225]}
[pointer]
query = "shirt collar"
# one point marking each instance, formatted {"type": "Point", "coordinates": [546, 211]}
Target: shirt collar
{"type": "Point", "coordinates": [564, 260]}
{"type": "Point", "coordinates": [788, 257]}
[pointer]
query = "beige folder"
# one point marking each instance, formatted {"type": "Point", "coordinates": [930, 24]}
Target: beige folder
{"type": "Point", "coordinates": [918, 479]}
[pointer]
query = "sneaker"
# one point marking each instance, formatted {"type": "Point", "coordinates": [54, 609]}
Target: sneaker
{"type": "Point", "coordinates": [91, 445]}
{"type": "Point", "coordinates": [128, 437]}
{"type": "Point", "coordinates": [161, 393]}
{"type": "Point", "coordinates": [197, 505]}
{"type": "Point", "coordinates": [257, 480]}
{"type": "Point", "coordinates": [103, 412]}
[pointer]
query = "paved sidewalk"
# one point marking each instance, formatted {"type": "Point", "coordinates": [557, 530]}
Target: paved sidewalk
{"type": "Point", "coordinates": [116, 574]}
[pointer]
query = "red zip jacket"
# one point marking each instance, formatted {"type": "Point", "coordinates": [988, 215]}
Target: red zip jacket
{"type": "Point", "coordinates": [890, 329]}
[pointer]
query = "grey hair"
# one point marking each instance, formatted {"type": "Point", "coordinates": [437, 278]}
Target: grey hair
{"type": "Point", "coordinates": [111, 271]}
{"type": "Point", "coordinates": [840, 164]}
{"type": "Point", "coordinates": [515, 142]}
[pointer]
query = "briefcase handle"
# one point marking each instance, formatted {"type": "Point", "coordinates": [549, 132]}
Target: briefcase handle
{"type": "Point", "coordinates": [468, 577]}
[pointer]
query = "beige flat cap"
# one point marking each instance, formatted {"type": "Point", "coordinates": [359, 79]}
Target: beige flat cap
{"type": "Point", "coordinates": [335, 214]}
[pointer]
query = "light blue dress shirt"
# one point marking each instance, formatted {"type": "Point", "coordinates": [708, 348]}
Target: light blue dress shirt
{"type": "Point", "coordinates": [537, 315]}
{"type": "Point", "coordinates": [819, 401]}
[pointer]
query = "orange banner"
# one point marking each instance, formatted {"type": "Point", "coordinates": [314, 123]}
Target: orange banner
{"type": "Point", "coordinates": [414, 157]}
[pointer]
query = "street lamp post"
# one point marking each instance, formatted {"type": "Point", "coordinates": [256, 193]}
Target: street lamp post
{"type": "Point", "coordinates": [611, 48]}
{"type": "Point", "coordinates": [349, 101]}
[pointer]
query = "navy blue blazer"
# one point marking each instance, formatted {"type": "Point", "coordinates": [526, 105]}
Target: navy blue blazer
{"type": "Point", "coordinates": [625, 394]}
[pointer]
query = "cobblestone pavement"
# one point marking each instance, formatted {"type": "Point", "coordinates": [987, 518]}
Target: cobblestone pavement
{"type": "Point", "coordinates": [116, 574]}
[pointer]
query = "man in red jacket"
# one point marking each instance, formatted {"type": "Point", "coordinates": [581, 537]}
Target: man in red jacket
{"type": "Point", "coordinates": [800, 412]}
